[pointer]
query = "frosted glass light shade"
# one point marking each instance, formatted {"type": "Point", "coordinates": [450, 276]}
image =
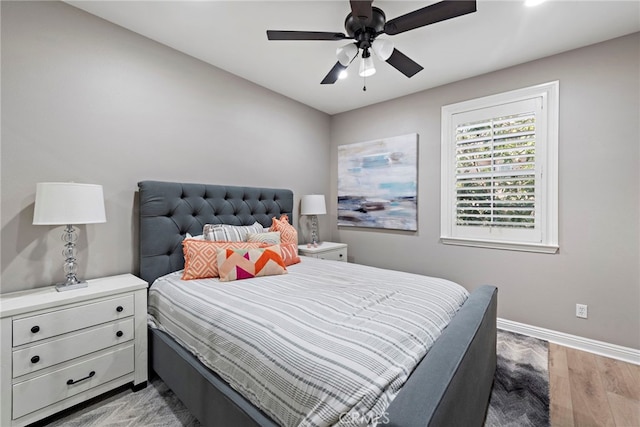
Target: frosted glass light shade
{"type": "Point", "coordinates": [383, 48]}
{"type": "Point", "coordinates": [65, 203]}
{"type": "Point", "coordinates": [346, 53]}
{"type": "Point", "coordinates": [313, 205]}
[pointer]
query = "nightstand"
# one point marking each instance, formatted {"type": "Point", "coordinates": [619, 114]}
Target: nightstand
{"type": "Point", "coordinates": [325, 250]}
{"type": "Point", "coordinates": [59, 349]}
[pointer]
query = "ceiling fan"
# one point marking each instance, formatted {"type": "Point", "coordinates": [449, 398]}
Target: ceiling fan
{"type": "Point", "coordinates": [365, 23]}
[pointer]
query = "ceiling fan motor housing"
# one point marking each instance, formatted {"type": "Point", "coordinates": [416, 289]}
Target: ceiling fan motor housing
{"type": "Point", "coordinates": [364, 32]}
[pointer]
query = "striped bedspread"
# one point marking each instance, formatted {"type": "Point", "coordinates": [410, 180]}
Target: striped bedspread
{"type": "Point", "coordinates": [329, 343]}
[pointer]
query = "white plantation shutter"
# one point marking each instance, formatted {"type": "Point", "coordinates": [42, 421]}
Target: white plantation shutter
{"type": "Point", "coordinates": [494, 189]}
{"type": "Point", "coordinates": [495, 172]}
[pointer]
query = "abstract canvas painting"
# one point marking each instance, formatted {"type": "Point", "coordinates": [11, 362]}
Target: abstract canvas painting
{"type": "Point", "coordinates": [377, 183]}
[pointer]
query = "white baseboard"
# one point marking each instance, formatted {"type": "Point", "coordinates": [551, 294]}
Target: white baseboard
{"type": "Point", "coordinates": [626, 354]}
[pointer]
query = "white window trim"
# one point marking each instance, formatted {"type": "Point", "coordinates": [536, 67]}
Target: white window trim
{"type": "Point", "coordinates": [549, 92]}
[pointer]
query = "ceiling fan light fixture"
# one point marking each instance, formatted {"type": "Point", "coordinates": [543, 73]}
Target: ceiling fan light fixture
{"type": "Point", "coordinates": [346, 53]}
{"type": "Point", "coordinates": [365, 23]}
{"type": "Point", "coordinates": [366, 67]}
{"type": "Point", "coordinates": [383, 48]}
{"type": "Point", "coordinates": [343, 75]}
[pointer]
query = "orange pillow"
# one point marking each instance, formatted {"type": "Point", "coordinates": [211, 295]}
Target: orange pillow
{"type": "Point", "coordinates": [201, 256]}
{"type": "Point", "coordinates": [289, 252]}
{"type": "Point", "coordinates": [288, 233]}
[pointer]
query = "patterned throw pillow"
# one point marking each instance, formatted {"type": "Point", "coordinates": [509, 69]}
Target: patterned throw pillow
{"type": "Point", "coordinates": [288, 233]}
{"type": "Point", "coordinates": [238, 264]}
{"type": "Point", "coordinates": [230, 233]}
{"type": "Point", "coordinates": [271, 238]}
{"type": "Point", "coordinates": [289, 253]}
{"type": "Point", "coordinates": [201, 256]}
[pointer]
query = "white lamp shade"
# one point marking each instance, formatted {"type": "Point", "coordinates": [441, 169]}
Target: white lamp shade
{"type": "Point", "coordinates": [67, 203]}
{"type": "Point", "coordinates": [346, 53]}
{"type": "Point", "coordinates": [313, 205]}
{"type": "Point", "coordinates": [383, 48]}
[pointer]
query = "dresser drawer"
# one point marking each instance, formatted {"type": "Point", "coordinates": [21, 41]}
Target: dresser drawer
{"type": "Point", "coordinates": [31, 395]}
{"type": "Point", "coordinates": [35, 328]}
{"type": "Point", "coordinates": [70, 346]}
{"type": "Point", "coordinates": [333, 255]}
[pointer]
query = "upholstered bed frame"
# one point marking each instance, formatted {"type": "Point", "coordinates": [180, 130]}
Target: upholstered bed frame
{"type": "Point", "coordinates": [450, 386]}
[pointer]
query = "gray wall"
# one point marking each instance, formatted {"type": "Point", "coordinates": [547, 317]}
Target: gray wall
{"type": "Point", "coordinates": [599, 258]}
{"type": "Point", "coordinates": [87, 101]}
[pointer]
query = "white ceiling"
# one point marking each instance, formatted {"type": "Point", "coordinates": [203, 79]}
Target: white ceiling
{"type": "Point", "coordinates": [231, 36]}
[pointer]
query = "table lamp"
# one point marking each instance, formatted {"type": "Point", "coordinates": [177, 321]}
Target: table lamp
{"type": "Point", "coordinates": [69, 203]}
{"type": "Point", "coordinates": [313, 205]}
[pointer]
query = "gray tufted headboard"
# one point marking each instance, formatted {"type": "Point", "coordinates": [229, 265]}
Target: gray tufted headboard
{"type": "Point", "coordinates": [169, 210]}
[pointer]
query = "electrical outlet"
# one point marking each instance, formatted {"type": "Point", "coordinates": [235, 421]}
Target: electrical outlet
{"type": "Point", "coordinates": [581, 311]}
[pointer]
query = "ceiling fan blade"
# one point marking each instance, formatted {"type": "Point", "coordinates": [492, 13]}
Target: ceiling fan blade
{"type": "Point", "coordinates": [361, 9]}
{"type": "Point", "coordinates": [431, 14]}
{"type": "Point", "coordinates": [333, 75]}
{"type": "Point", "coordinates": [403, 63]}
{"type": "Point", "coordinates": [304, 35]}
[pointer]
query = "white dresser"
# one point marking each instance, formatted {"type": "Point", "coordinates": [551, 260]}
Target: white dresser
{"type": "Point", "coordinates": [325, 250]}
{"type": "Point", "coordinates": [59, 349]}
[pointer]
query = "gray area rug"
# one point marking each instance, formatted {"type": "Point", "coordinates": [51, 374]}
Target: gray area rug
{"type": "Point", "coordinates": [520, 395]}
{"type": "Point", "coordinates": [153, 406]}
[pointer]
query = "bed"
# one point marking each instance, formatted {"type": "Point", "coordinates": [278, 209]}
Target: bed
{"type": "Point", "coordinates": [449, 386]}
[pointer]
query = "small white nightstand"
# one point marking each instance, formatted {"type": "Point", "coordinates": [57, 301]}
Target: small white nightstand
{"type": "Point", "coordinates": [325, 250]}
{"type": "Point", "coordinates": [59, 349]}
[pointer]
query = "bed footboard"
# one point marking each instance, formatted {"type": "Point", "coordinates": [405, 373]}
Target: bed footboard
{"type": "Point", "coordinates": [206, 396]}
{"type": "Point", "coordinates": [452, 384]}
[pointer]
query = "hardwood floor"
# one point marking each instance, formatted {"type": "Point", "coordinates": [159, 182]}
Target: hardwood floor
{"type": "Point", "coordinates": [590, 390]}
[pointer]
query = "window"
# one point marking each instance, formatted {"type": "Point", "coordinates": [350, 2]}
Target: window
{"type": "Point", "coordinates": [500, 171]}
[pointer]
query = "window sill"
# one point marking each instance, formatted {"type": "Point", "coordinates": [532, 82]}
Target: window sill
{"type": "Point", "coordinates": [512, 246]}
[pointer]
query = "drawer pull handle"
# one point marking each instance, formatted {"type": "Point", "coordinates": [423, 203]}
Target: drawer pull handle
{"type": "Point", "coordinates": [35, 359]}
{"type": "Point", "coordinates": [71, 382]}
{"type": "Point", "coordinates": [119, 334]}
{"type": "Point", "coordinates": [35, 329]}
{"type": "Point", "coordinates": [119, 309]}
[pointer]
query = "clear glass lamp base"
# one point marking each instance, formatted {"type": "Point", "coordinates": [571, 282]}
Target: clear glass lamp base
{"type": "Point", "coordinates": [314, 230]}
{"type": "Point", "coordinates": [70, 264]}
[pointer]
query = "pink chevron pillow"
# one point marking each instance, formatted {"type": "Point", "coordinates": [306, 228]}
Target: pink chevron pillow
{"type": "Point", "coordinates": [237, 264]}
